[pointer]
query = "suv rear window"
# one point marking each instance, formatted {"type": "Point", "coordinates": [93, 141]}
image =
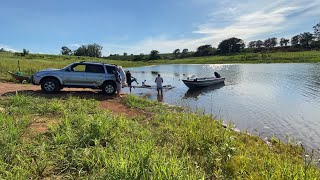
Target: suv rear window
{"type": "Point", "coordinates": [94, 68]}
{"type": "Point", "coordinates": [111, 69]}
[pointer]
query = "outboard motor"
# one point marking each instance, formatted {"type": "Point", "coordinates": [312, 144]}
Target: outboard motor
{"type": "Point", "coordinates": [217, 75]}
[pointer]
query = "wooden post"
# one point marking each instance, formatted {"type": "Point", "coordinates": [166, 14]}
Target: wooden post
{"type": "Point", "coordinates": [19, 65]}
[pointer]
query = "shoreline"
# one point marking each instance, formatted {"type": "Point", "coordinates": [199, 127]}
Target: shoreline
{"type": "Point", "coordinates": [231, 125]}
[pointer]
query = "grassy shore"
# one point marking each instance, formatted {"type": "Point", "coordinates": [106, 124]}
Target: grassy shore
{"type": "Point", "coordinates": [35, 62]}
{"type": "Point", "coordinates": [277, 57]}
{"type": "Point", "coordinates": [84, 141]}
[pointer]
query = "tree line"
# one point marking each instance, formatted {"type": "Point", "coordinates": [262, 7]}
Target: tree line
{"type": "Point", "coordinates": [303, 41]}
{"type": "Point", "coordinates": [231, 45]}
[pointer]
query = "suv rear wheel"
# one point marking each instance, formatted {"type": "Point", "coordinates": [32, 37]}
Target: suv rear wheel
{"type": "Point", "coordinates": [109, 88]}
{"type": "Point", "coordinates": [50, 85]}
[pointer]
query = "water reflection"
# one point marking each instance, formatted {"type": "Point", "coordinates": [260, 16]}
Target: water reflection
{"type": "Point", "coordinates": [160, 97]}
{"type": "Point", "coordinates": [194, 93]}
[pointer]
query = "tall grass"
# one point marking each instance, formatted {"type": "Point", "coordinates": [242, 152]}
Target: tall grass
{"type": "Point", "coordinates": [223, 153]}
{"type": "Point", "coordinates": [34, 62]}
{"type": "Point", "coordinates": [88, 142]}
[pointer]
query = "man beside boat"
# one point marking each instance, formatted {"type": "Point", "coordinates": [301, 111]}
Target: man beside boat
{"type": "Point", "coordinates": [159, 81]}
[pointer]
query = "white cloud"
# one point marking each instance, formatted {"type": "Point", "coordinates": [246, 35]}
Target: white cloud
{"type": "Point", "coordinates": [246, 21]}
{"type": "Point", "coordinates": [7, 48]}
{"type": "Point", "coordinates": [75, 45]}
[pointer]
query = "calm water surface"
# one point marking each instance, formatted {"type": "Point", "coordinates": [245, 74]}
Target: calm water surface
{"type": "Point", "coordinates": [281, 100]}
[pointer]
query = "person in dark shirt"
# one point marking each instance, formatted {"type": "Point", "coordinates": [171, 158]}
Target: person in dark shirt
{"type": "Point", "coordinates": [130, 79]}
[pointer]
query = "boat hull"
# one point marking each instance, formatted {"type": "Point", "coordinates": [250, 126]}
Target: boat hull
{"type": "Point", "coordinates": [202, 82]}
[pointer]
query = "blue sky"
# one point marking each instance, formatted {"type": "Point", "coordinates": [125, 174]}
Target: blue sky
{"type": "Point", "coordinates": [138, 26]}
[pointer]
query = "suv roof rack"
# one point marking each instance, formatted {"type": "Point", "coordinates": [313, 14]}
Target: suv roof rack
{"type": "Point", "coordinates": [97, 63]}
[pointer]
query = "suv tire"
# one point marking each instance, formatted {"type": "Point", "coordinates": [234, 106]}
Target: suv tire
{"type": "Point", "coordinates": [109, 88]}
{"type": "Point", "coordinates": [50, 85]}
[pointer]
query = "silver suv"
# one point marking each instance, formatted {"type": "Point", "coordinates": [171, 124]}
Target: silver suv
{"type": "Point", "coordinates": [77, 75]}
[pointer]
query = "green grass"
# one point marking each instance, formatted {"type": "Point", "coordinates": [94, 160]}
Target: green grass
{"type": "Point", "coordinates": [88, 142]}
{"type": "Point", "coordinates": [35, 62]}
{"type": "Point", "coordinates": [277, 57]}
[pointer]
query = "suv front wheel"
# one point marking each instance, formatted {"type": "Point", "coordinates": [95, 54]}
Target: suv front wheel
{"type": "Point", "coordinates": [50, 85]}
{"type": "Point", "coordinates": [109, 88]}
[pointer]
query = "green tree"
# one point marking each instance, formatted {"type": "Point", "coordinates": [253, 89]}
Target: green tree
{"type": "Point", "coordinates": [24, 52]}
{"type": "Point", "coordinates": [65, 50]}
{"type": "Point", "coordinates": [274, 42]}
{"type": "Point", "coordinates": [267, 43]}
{"type": "Point", "coordinates": [81, 51]}
{"type": "Point", "coordinates": [306, 40]}
{"type": "Point", "coordinates": [284, 42]}
{"type": "Point", "coordinates": [94, 50]}
{"type": "Point", "coordinates": [231, 45]}
{"type": "Point", "coordinates": [176, 53]}
{"type": "Point", "coordinates": [252, 44]}
{"type": "Point", "coordinates": [270, 42]}
{"type": "Point", "coordinates": [91, 50]}
{"type": "Point", "coordinates": [259, 44]}
{"type": "Point", "coordinates": [185, 53]}
{"type": "Point", "coordinates": [154, 55]}
{"type": "Point", "coordinates": [125, 54]}
{"type": "Point", "coordinates": [205, 50]}
{"type": "Point", "coordinates": [295, 41]}
{"type": "Point", "coordinates": [315, 44]}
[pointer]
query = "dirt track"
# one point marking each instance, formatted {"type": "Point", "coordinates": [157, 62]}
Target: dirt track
{"type": "Point", "coordinates": [6, 88]}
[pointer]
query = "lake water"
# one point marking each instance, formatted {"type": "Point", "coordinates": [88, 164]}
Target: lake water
{"type": "Point", "coordinates": [281, 100]}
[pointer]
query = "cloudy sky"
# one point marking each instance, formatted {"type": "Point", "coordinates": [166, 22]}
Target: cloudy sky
{"type": "Point", "coordinates": [138, 26]}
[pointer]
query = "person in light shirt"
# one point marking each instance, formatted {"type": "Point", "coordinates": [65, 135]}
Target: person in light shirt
{"type": "Point", "coordinates": [159, 82]}
{"type": "Point", "coordinates": [118, 81]}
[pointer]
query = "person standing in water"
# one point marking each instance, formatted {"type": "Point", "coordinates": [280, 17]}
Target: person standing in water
{"type": "Point", "coordinates": [159, 82]}
{"type": "Point", "coordinates": [130, 79]}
